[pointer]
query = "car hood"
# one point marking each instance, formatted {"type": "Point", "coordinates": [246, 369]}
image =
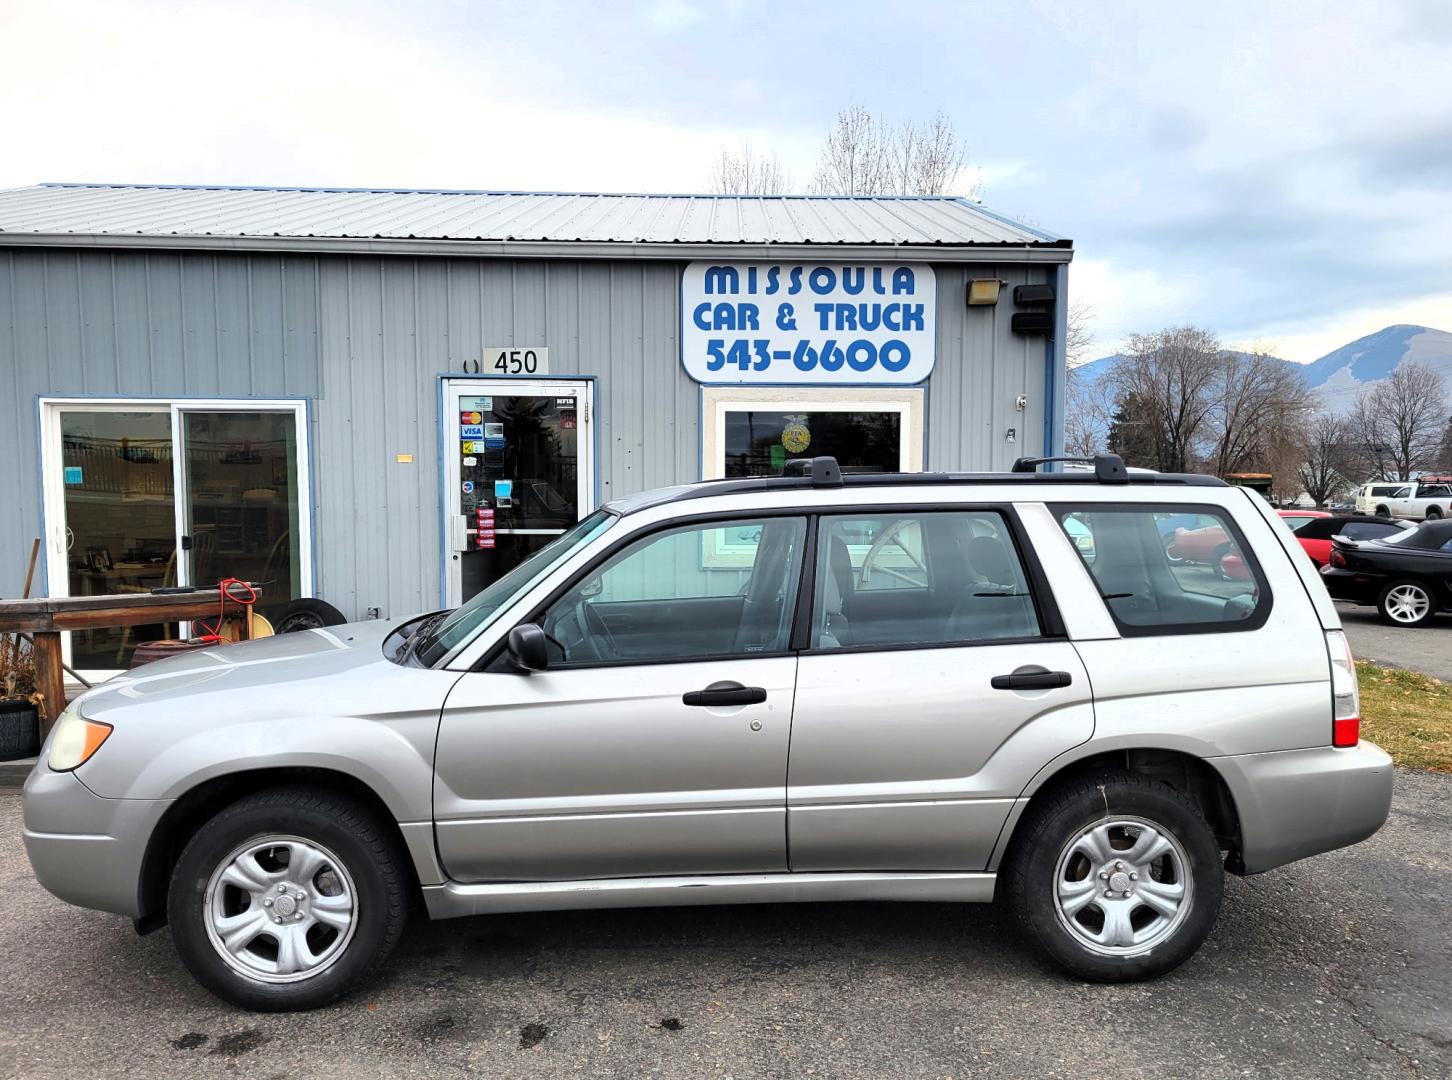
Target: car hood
{"type": "Point", "coordinates": [268, 663]}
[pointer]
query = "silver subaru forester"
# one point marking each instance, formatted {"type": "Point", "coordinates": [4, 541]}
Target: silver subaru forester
{"type": "Point", "coordinates": [1087, 692]}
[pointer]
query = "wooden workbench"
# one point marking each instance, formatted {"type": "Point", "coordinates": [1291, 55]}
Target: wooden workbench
{"type": "Point", "coordinates": [45, 618]}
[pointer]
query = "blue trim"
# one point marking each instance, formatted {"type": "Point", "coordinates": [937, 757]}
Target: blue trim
{"type": "Point", "coordinates": [441, 378]}
{"type": "Point", "coordinates": [312, 493]}
{"type": "Point", "coordinates": [40, 491]}
{"type": "Point", "coordinates": [1056, 365]}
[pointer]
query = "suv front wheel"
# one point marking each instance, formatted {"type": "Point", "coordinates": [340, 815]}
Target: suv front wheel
{"type": "Point", "coordinates": [287, 899]}
{"type": "Point", "coordinates": [1118, 877]}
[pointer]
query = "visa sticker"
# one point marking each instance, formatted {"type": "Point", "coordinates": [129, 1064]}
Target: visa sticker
{"type": "Point", "coordinates": [471, 431]}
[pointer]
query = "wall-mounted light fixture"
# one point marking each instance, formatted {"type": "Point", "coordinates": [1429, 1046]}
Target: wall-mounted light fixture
{"type": "Point", "coordinates": [983, 292]}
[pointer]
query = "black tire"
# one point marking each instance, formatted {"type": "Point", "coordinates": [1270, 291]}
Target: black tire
{"type": "Point", "coordinates": [308, 613]}
{"type": "Point", "coordinates": [1434, 513]}
{"type": "Point", "coordinates": [1059, 817]}
{"type": "Point", "coordinates": [1383, 603]}
{"type": "Point", "coordinates": [367, 849]}
{"type": "Point", "coordinates": [1383, 512]}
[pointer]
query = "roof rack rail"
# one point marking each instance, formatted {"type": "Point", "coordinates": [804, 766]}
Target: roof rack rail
{"type": "Point", "coordinates": [1108, 468]}
{"type": "Point", "coordinates": [823, 470]}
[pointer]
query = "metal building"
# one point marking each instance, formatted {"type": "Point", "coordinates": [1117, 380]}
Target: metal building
{"type": "Point", "coordinates": [386, 398]}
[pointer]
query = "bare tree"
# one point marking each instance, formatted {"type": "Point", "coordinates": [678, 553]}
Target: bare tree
{"type": "Point", "coordinates": [864, 155]}
{"type": "Point", "coordinates": [1260, 404]}
{"type": "Point", "coordinates": [1080, 339]}
{"type": "Point", "coordinates": [1088, 414]}
{"type": "Point", "coordinates": [1399, 422]}
{"type": "Point", "coordinates": [745, 172]}
{"type": "Point", "coordinates": [1171, 377]}
{"type": "Point", "coordinates": [1330, 459]}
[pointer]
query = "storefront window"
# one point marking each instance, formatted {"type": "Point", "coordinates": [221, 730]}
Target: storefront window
{"type": "Point", "coordinates": [759, 443]}
{"type": "Point", "coordinates": [755, 431]}
{"type": "Point", "coordinates": [112, 472]}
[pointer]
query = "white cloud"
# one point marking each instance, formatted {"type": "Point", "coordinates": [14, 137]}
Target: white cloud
{"type": "Point", "coordinates": [216, 94]}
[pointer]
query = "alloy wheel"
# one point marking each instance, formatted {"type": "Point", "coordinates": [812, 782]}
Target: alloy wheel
{"type": "Point", "coordinates": [1122, 886]}
{"type": "Point", "coordinates": [280, 909]}
{"type": "Point", "coordinates": [1407, 603]}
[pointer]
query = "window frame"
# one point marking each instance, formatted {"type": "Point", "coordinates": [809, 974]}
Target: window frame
{"type": "Point", "coordinates": [1046, 610]}
{"type": "Point", "coordinates": [1265, 602]}
{"type": "Point", "coordinates": [1051, 622]}
{"type": "Point", "coordinates": [717, 401]}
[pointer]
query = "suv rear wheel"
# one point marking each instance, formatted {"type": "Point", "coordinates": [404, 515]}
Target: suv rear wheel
{"type": "Point", "coordinates": [1117, 877]}
{"type": "Point", "coordinates": [287, 899]}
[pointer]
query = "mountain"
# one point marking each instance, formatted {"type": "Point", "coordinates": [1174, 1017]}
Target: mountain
{"type": "Point", "coordinates": [1338, 376]}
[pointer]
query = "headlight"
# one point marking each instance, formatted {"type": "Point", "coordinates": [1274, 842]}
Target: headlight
{"type": "Point", "coordinates": [74, 740]}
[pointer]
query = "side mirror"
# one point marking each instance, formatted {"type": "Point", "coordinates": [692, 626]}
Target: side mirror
{"type": "Point", "coordinates": [528, 648]}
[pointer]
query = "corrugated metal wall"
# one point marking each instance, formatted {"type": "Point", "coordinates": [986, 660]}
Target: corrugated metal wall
{"type": "Point", "coordinates": [365, 338]}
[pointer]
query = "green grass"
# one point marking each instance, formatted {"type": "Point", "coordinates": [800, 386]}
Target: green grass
{"type": "Point", "coordinates": [1407, 714]}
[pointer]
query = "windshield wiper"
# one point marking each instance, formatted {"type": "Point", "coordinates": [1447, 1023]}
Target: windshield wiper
{"type": "Point", "coordinates": [424, 630]}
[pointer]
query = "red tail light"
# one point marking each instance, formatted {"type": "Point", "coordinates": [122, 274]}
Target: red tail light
{"type": "Point", "coordinates": [1346, 731]}
{"type": "Point", "coordinates": [1337, 559]}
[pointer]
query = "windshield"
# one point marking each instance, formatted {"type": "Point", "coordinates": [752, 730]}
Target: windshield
{"type": "Point", "coordinates": [464, 622]}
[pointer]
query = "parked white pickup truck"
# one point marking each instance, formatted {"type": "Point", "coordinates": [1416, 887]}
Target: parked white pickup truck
{"type": "Point", "coordinates": [1426, 498]}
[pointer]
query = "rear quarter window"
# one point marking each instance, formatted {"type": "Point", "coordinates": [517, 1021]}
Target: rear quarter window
{"type": "Point", "coordinates": [1168, 569]}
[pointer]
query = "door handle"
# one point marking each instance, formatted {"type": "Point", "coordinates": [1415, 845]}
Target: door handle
{"type": "Point", "coordinates": [1031, 678]}
{"type": "Point", "coordinates": [725, 694]}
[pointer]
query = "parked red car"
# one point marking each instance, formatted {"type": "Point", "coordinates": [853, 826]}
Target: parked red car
{"type": "Point", "coordinates": [1315, 528]}
{"type": "Point", "coordinates": [1210, 546]}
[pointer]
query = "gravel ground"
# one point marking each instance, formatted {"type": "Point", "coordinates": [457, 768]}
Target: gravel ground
{"type": "Point", "coordinates": [1428, 649]}
{"type": "Point", "coordinates": [1337, 966]}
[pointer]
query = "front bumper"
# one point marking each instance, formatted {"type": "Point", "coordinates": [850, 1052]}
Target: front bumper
{"type": "Point", "coordinates": [85, 849]}
{"type": "Point", "coordinates": [1297, 803]}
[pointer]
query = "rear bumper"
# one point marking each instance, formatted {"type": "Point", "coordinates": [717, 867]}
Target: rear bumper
{"type": "Point", "coordinates": [84, 849]}
{"type": "Point", "coordinates": [1297, 803]}
{"type": "Point", "coordinates": [1351, 586]}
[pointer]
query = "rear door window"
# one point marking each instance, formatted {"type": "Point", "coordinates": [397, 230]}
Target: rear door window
{"type": "Point", "coordinates": [936, 578]}
{"type": "Point", "coordinates": [1166, 570]}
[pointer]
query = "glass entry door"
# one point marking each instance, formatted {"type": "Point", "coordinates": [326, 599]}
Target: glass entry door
{"type": "Point", "coordinates": [518, 471]}
{"type": "Point", "coordinates": [146, 495]}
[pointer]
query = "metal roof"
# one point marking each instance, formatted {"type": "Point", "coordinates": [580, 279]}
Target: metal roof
{"type": "Point", "coordinates": [526, 222]}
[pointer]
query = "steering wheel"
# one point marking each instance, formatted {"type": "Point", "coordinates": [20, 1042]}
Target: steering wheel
{"type": "Point", "coordinates": [888, 536]}
{"type": "Point", "coordinates": [591, 621]}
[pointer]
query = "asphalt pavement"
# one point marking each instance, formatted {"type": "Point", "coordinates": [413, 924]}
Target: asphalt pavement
{"type": "Point", "coordinates": [1426, 649]}
{"type": "Point", "coordinates": [1337, 966]}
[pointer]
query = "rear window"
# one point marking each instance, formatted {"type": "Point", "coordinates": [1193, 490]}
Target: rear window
{"type": "Point", "coordinates": [1367, 530]}
{"type": "Point", "coordinates": [1168, 570]}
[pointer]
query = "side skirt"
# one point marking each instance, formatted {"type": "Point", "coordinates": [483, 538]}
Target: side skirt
{"type": "Point", "coordinates": [453, 899]}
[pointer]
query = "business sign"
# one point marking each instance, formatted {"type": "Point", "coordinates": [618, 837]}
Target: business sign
{"type": "Point", "coordinates": [830, 324]}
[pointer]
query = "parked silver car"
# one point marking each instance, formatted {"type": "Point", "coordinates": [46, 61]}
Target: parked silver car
{"type": "Point", "coordinates": [815, 687]}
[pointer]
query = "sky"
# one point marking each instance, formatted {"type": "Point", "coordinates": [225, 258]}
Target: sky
{"type": "Point", "coordinates": [1279, 173]}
